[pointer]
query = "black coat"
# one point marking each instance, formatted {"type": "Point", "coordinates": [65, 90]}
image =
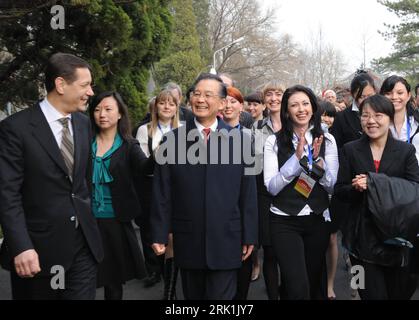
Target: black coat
{"type": "Point", "coordinates": [346, 127]}
{"type": "Point", "coordinates": [211, 209]}
{"type": "Point", "coordinates": [128, 166]}
{"type": "Point", "coordinates": [360, 234]}
{"type": "Point", "coordinates": [38, 201]}
{"type": "Point", "coordinates": [394, 204]}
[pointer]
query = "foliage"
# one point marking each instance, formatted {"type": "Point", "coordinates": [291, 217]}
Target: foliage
{"type": "Point", "coordinates": [405, 57]}
{"type": "Point", "coordinates": [121, 40]}
{"type": "Point", "coordinates": [182, 63]}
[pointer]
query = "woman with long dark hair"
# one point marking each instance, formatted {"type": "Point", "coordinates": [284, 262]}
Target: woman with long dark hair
{"type": "Point", "coordinates": [405, 126]}
{"type": "Point", "coordinates": [117, 162]}
{"type": "Point", "coordinates": [300, 169]}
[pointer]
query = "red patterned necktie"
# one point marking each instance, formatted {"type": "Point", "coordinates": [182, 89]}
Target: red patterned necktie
{"type": "Point", "coordinates": [206, 132]}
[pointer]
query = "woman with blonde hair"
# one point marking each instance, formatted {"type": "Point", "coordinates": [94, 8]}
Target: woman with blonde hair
{"type": "Point", "coordinates": [164, 118]}
{"type": "Point", "coordinates": [272, 97]}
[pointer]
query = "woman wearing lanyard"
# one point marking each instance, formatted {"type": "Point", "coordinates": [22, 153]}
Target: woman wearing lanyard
{"type": "Point", "coordinates": [406, 121]}
{"type": "Point", "coordinates": [405, 127]}
{"type": "Point", "coordinates": [300, 169]}
{"type": "Point", "coordinates": [386, 275]}
{"type": "Point", "coordinates": [164, 118]}
{"type": "Point", "coordinates": [117, 161]}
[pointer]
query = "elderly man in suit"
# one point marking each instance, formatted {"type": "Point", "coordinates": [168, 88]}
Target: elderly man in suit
{"type": "Point", "coordinates": [44, 195]}
{"type": "Point", "coordinates": [209, 206]}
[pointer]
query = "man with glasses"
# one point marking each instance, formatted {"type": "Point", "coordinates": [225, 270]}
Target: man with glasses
{"type": "Point", "coordinates": [210, 208]}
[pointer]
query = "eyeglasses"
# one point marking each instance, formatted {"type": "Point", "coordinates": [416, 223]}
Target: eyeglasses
{"type": "Point", "coordinates": [206, 95]}
{"type": "Point", "coordinates": [376, 117]}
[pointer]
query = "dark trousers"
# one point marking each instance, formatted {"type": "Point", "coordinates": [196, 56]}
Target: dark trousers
{"type": "Point", "coordinates": [209, 284]}
{"type": "Point", "coordinates": [300, 245]}
{"type": "Point", "coordinates": [385, 283]}
{"type": "Point", "coordinates": [80, 279]}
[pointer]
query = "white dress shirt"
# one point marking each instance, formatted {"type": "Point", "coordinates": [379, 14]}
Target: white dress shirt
{"type": "Point", "coordinates": [200, 127]}
{"type": "Point", "coordinates": [277, 179]}
{"type": "Point", "coordinates": [403, 133]}
{"type": "Point", "coordinates": [142, 136]}
{"type": "Point", "coordinates": [53, 116]}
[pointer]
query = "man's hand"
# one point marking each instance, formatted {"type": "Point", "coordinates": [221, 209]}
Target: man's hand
{"type": "Point", "coordinates": [158, 248]}
{"type": "Point", "coordinates": [27, 264]}
{"type": "Point", "coordinates": [247, 251]}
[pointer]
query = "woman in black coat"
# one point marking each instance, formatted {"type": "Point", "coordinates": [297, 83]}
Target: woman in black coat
{"type": "Point", "coordinates": [117, 162]}
{"type": "Point", "coordinates": [385, 265]}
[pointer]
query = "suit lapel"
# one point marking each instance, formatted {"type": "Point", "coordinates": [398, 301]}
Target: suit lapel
{"type": "Point", "coordinates": [77, 142]}
{"type": "Point", "coordinates": [43, 134]}
{"type": "Point", "coordinates": [365, 155]}
{"type": "Point", "coordinates": [389, 154]}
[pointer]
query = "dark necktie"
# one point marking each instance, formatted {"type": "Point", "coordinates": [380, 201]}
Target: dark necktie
{"type": "Point", "coordinates": [206, 132]}
{"type": "Point", "coordinates": [67, 146]}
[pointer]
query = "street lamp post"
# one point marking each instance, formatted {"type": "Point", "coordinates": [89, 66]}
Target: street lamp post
{"type": "Point", "coordinates": [214, 69]}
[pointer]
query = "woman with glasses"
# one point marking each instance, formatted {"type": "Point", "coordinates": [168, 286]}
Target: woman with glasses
{"type": "Point", "coordinates": [386, 273]}
{"type": "Point", "coordinates": [300, 170]}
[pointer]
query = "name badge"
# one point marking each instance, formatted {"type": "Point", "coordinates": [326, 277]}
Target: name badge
{"type": "Point", "coordinates": [305, 185]}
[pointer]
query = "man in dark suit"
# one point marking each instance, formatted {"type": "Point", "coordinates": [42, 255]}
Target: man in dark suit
{"type": "Point", "coordinates": [52, 244]}
{"type": "Point", "coordinates": [210, 208]}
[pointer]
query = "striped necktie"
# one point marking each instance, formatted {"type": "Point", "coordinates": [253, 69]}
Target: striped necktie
{"type": "Point", "coordinates": [67, 146]}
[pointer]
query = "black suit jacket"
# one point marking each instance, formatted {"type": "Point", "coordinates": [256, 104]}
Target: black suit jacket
{"type": "Point", "coordinates": [211, 209]}
{"type": "Point", "coordinates": [346, 127]}
{"type": "Point", "coordinates": [360, 234]}
{"type": "Point", "coordinates": [38, 201]}
{"type": "Point", "coordinates": [128, 167]}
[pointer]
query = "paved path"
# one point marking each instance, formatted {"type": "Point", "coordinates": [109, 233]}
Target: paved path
{"type": "Point", "coordinates": [134, 290]}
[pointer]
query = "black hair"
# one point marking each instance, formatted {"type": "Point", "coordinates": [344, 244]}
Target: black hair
{"type": "Point", "coordinates": [416, 90]}
{"type": "Point", "coordinates": [358, 84]}
{"type": "Point", "coordinates": [326, 108]}
{"type": "Point", "coordinates": [63, 65]}
{"type": "Point", "coordinates": [389, 84]}
{"type": "Point", "coordinates": [380, 104]}
{"type": "Point", "coordinates": [124, 126]}
{"type": "Point", "coordinates": [285, 135]}
{"type": "Point", "coordinates": [210, 76]}
{"type": "Point", "coordinates": [254, 97]}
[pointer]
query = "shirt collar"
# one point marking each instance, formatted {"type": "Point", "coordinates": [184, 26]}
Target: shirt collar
{"type": "Point", "coordinates": [308, 136]}
{"type": "Point", "coordinates": [200, 127]}
{"type": "Point", "coordinates": [50, 112]}
{"type": "Point", "coordinates": [355, 107]}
